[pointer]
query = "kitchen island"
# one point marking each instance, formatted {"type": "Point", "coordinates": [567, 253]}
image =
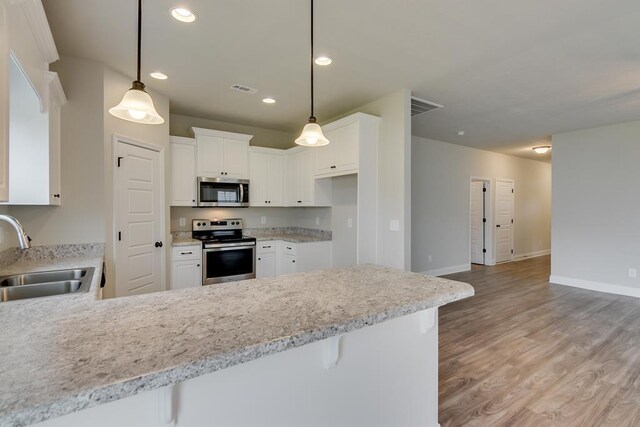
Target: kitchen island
{"type": "Point", "coordinates": [349, 346]}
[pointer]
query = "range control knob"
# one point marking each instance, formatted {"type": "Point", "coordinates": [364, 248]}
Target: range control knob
{"type": "Point", "coordinates": [198, 224]}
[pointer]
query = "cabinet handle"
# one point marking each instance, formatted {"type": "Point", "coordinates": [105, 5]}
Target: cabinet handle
{"type": "Point", "coordinates": [266, 247]}
{"type": "Point", "coordinates": [186, 253]}
{"type": "Point", "coordinates": [293, 260]}
{"type": "Point", "coordinates": [57, 196]}
{"type": "Point", "coordinates": [333, 167]}
{"type": "Point", "coordinates": [299, 201]}
{"type": "Point", "coordinates": [259, 259]}
{"type": "Point", "coordinates": [289, 247]}
{"type": "Point", "coordinates": [197, 265]}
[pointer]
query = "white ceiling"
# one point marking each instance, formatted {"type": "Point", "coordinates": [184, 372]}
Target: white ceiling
{"type": "Point", "coordinates": [509, 72]}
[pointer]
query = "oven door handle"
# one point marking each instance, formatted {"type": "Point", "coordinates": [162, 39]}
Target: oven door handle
{"type": "Point", "coordinates": [228, 246]}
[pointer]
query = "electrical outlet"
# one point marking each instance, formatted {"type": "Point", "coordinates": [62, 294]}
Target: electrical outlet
{"type": "Point", "coordinates": [349, 222]}
{"type": "Point", "coordinates": [394, 225]}
{"type": "Point", "coordinates": [633, 273]}
{"type": "Point", "coordinates": [317, 220]}
{"type": "Point", "coordinates": [182, 221]}
{"type": "Point", "coordinates": [263, 220]}
{"type": "Point", "coordinates": [429, 258]}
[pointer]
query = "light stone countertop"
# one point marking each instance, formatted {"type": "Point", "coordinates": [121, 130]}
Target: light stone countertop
{"type": "Point", "coordinates": [185, 241]}
{"type": "Point", "coordinates": [59, 358]}
{"type": "Point", "coordinates": [292, 238]}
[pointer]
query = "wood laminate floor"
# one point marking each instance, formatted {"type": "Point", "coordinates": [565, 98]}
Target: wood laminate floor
{"type": "Point", "coordinates": [524, 352]}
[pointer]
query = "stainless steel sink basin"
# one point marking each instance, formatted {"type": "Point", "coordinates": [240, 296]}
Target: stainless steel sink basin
{"type": "Point", "coordinates": [46, 283]}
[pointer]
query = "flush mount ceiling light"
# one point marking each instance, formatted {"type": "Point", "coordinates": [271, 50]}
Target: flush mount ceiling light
{"type": "Point", "coordinates": [312, 133]}
{"type": "Point", "coordinates": [158, 75]}
{"type": "Point", "coordinates": [269, 101]}
{"type": "Point", "coordinates": [183, 15]}
{"type": "Point", "coordinates": [461, 133]}
{"type": "Point", "coordinates": [542, 149]}
{"type": "Point", "coordinates": [323, 60]}
{"type": "Point", "coordinates": [136, 105]}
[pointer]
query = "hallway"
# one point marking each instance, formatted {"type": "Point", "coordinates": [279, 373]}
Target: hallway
{"type": "Point", "coordinates": [523, 352]}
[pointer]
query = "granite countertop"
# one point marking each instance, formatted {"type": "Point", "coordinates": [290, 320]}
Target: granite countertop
{"type": "Point", "coordinates": [60, 358]}
{"type": "Point", "coordinates": [185, 241]}
{"type": "Point", "coordinates": [291, 238]}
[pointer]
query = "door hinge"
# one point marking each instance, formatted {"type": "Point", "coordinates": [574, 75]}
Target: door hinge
{"type": "Point", "coordinates": [512, 221]}
{"type": "Point", "coordinates": [119, 158]}
{"type": "Point", "coordinates": [512, 190]}
{"type": "Point", "coordinates": [484, 251]}
{"type": "Point", "coordinates": [484, 219]}
{"type": "Point", "coordinates": [484, 190]}
{"type": "Point", "coordinates": [119, 235]}
{"type": "Point", "coordinates": [511, 250]}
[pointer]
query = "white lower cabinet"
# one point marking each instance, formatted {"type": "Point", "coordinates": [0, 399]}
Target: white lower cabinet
{"type": "Point", "coordinates": [266, 259]}
{"type": "Point", "coordinates": [302, 257]}
{"type": "Point", "coordinates": [186, 267]}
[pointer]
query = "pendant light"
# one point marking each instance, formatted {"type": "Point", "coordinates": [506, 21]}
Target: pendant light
{"type": "Point", "coordinates": [312, 133]}
{"type": "Point", "coordinates": [136, 105]}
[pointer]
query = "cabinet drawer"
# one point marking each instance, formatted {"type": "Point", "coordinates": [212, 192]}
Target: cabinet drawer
{"type": "Point", "coordinates": [184, 253]}
{"type": "Point", "coordinates": [266, 247]}
{"type": "Point", "coordinates": [289, 248]}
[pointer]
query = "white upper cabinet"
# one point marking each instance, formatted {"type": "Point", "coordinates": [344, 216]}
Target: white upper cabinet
{"type": "Point", "coordinates": [301, 186]}
{"type": "Point", "coordinates": [183, 171]}
{"type": "Point", "coordinates": [222, 154]}
{"type": "Point", "coordinates": [266, 173]}
{"type": "Point", "coordinates": [347, 137]}
{"type": "Point", "coordinates": [31, 98]}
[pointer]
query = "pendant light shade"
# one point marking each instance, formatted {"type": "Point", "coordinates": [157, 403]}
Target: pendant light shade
{"type": "Point", "coordinates": [312, 135]}
{"type": "Point", "coordinates": [137, 105]}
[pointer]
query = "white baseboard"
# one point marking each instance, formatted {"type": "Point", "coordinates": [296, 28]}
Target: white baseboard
{"type": "Point", "coordinates": [520, 257]}
{"type": "Point", "coordinates": [448, 270]}
{"type": "Point", "coordinates": [596, 286]}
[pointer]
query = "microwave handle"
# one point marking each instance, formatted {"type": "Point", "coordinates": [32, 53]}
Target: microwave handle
{"type": "Point", "coordinates": [241, 193]}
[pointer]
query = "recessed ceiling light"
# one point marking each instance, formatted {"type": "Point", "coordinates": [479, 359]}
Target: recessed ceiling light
{"type": "Point", "coordinates": [460, 133]}
{"type": "Point", "coordinates": [158, 75]}
{"type": "Point", "coordinates": [323, 60]}
{"type": "Point", "coordinates": [183, 15]}
{"type": "Point", "coordinates": [269, 101]}
{"type": "Point", "coordinates": [542, 149]}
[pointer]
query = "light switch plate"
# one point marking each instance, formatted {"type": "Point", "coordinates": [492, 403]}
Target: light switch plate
{"type": "Point", "coordinates": [349, 222]}
{"type": "Point", "coordinates": [263, 220]}
{"type": "Point", "coordinates": [633, 273]}
{"type": "Point", "coordinates": [317, 220]}
{"type": "Point", "coordinates": [394, 225]}
{"type": "Point", "coordinates": [182, 221]}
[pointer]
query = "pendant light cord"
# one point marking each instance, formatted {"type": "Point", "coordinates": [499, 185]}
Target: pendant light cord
{"type": "Point", "coordinates": [312, 116]}
{"type": "Point", "coordinates": [139, 35]}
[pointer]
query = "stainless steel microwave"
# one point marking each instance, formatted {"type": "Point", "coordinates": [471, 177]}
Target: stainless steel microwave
{"type": "Point", "coordinates": [223, 192]}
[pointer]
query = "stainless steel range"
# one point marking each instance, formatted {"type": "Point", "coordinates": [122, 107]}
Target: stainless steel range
{"type": "Point", "coordinates": [226, 254]}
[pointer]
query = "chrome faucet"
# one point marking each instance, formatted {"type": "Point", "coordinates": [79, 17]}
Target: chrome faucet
{"type": "Point", "coordinates": [23, 239]}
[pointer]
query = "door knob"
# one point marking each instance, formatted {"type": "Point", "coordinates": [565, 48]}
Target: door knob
{"type": "Point", "coordinates": [158, 244]}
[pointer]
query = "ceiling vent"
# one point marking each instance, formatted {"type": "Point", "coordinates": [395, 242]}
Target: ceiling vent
{"type": "Point", "coordinates": [243, 88]}
{"type": "Point", "coordinates": [419, 106]}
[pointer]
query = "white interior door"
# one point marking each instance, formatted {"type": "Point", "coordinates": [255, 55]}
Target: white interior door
{"type": "Point", "coordinates": [504, 220]}
{"type": "Point", "coordinates": [477, 222]}
{"type": "Point", "coordinates": [138, 217]}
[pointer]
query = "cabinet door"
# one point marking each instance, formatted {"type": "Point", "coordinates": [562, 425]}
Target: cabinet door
{"type": "Point", "coordinates": [306, 177]}
{"type": "Point", "coordinates": [292, 184]}
{"type": "Point", "coordinates": [210, 156]}
{"type": "Point", "coordinates": [289, 264]}
{"type": "Point", "coordinates": [344, 142]}
{"type": "Point", "coordinates": [183, 174]}
{"type": "Point", "coordinates": [4, 106]}
{"type": "Point", "coordinates": [258, 167]}
{"type": "Point", "coordinates": [186, 274]}
{"type": "Point", "coordinates": [236, 159]}
{"type": "Point", "coordinates": [266, 265]}
{"type": "Point", "coordinates": [324, 157]}
{"type": "Point", "coordinates": [275, 180]}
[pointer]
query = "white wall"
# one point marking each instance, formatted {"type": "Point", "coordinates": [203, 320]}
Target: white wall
{"type": "Point", "coordinates": [276, 217]}
{"type": "Point", "coordinates": [262, 137]}
{"type": "Point", "coordinates": [81, 218]}
{"type": "Point", "coordinates": [344, 207]}
{"type": "Point", "coordinates": [441, 180]}
{"type": "Point", "coordinates": [596, 208]}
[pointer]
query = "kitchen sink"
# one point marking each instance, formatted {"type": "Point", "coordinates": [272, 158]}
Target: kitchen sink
{"type": "Point", "coordinates": [45, 284]}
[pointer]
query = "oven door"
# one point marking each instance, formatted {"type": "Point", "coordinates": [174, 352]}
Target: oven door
{"type": "Point", "coordinates": [228, 262]}
{"type": "Point", "coordinates": [222, 192]}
